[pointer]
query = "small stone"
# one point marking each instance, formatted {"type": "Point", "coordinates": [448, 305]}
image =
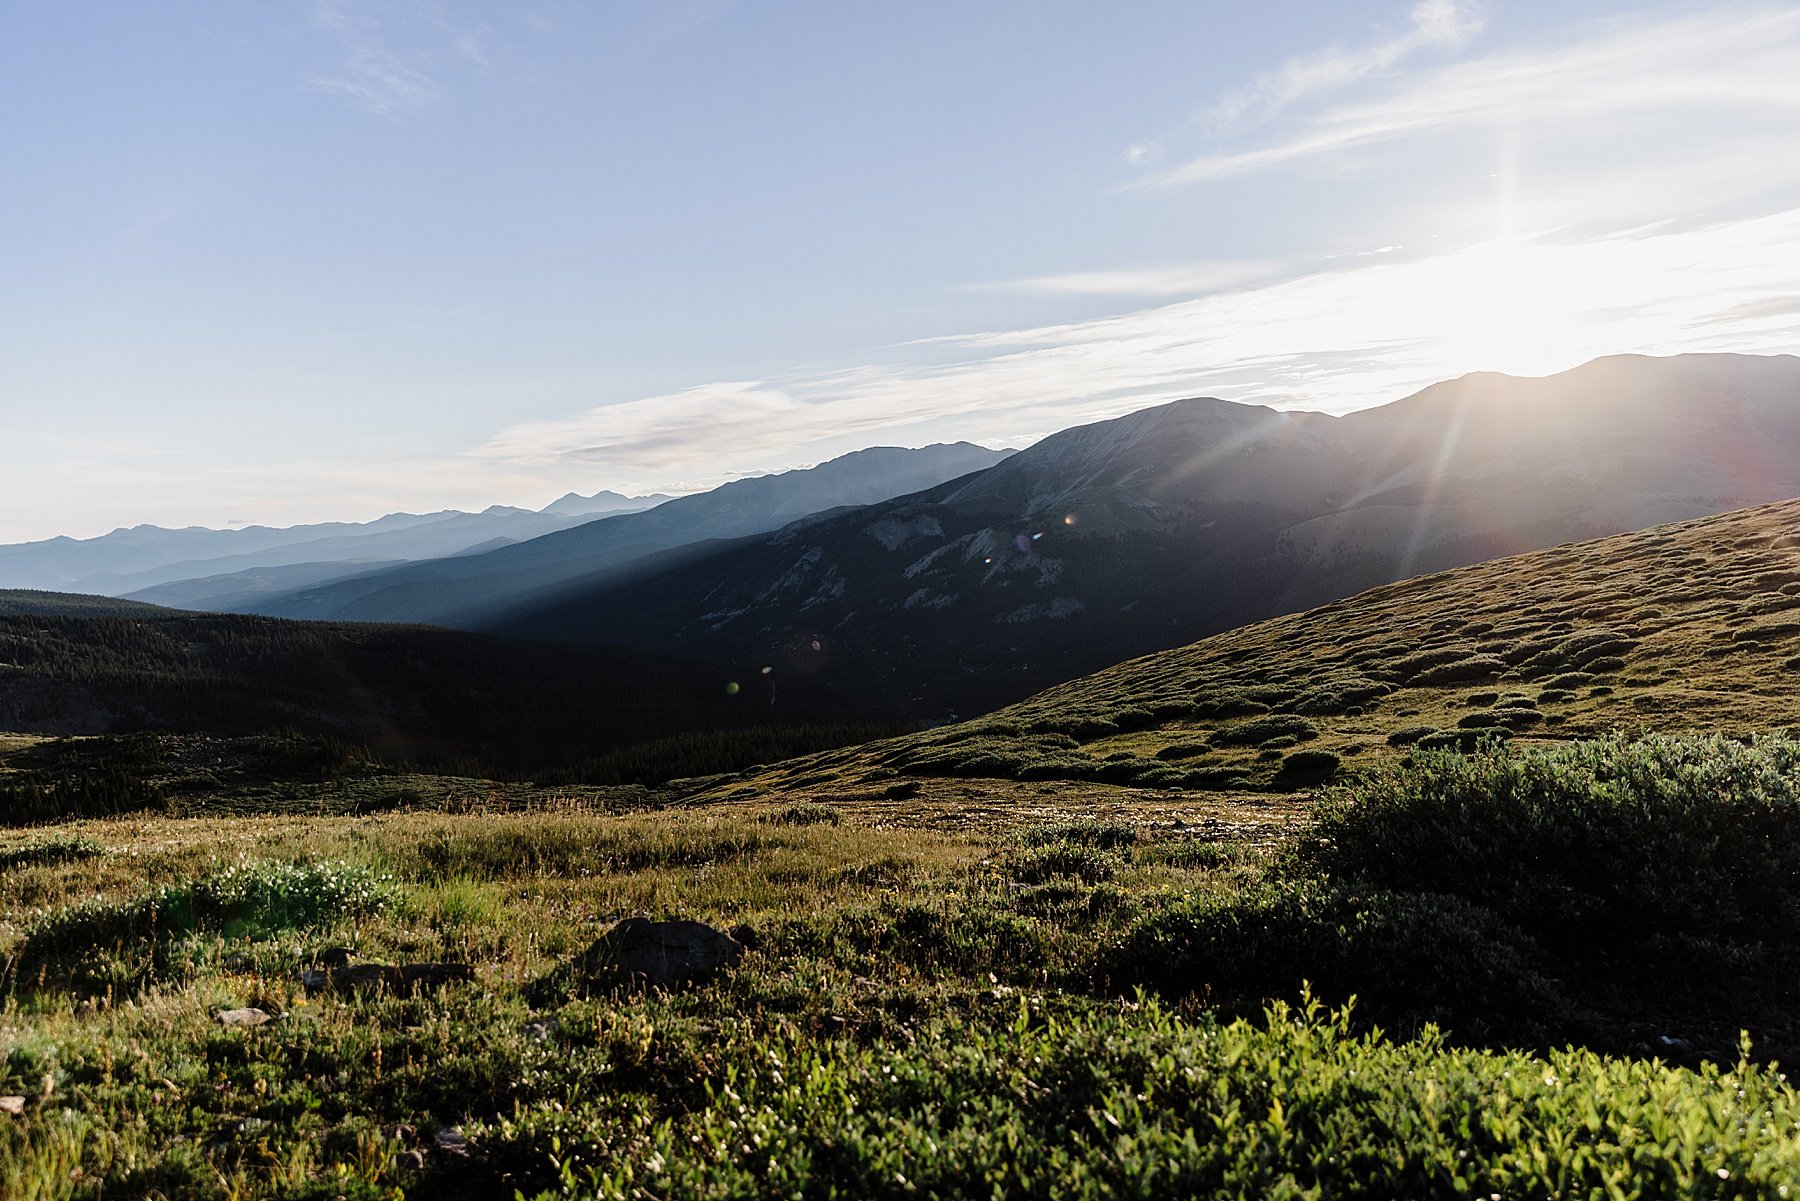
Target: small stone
{"type": "Point", "coordinates": [233, 1019]}
{"type": "Point", "coordinates": [13, 1105]}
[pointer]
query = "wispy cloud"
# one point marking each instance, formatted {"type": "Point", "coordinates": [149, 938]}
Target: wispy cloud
{"type": "Point", "coordinates": [393, 58]}
{"type": "Point", "coordinates": [659, 433]}
{"type": "Point", "coordinates": [1336, 339]}
{"type": "Point", "coordinates": [1179, 279]}
{"type": "Point", "coordinates": [1432, 24]}
{"type": "Point", "coordinates": [1738, 58]}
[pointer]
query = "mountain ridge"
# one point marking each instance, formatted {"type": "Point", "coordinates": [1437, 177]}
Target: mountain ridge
{"type": "Point", "coordinates": [446, 591]}
{"type": "Point", "coordinates": [1126, 536]}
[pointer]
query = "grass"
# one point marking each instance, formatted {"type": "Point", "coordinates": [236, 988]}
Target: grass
{"type": "Point", "coordinates": [1058, 1000]}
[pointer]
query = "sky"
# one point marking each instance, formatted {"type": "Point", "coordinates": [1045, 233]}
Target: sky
{"type": "Point", "coordinates": [315, 260]}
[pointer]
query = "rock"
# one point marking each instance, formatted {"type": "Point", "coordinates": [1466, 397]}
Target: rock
{"type": "Point", "coordinates": [411, 1161]}
{"type": "Point", "coordinates": [659, 953]}
{"type": "Point", "coordinates": [233, 1019]}
{"type": "Point", "coordinates": [13, 1105]}
{"type": "Point", "coordinates": [542, 1030]}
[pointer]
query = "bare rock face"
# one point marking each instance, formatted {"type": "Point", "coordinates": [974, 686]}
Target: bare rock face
{"type": "Point", "coordinates": [658, 953]}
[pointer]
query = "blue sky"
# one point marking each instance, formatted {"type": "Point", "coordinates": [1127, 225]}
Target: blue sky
{"type": "Point", "coordinates": [305, 261]}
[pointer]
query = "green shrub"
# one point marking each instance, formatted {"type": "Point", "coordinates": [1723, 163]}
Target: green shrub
{"type": "Point", "coordinates": [63, 848]}
{"type": "Point", "coordinates": [1511, 718]}
{"type": "Point", "coordinates": [1338, 695]}
{"type": "Point", "coordinates": [1465, 739]}
{"type": "Point", "coordinates": [1411, 959]}
{"type": "Point", "coordinates": [242, 901]}
{"type": "Point", "coordinates": [1589, 842]}
{"type": "Point", "coordinates": [803, 813]}
{"type": "Point", "coordinates": [1038, 864]}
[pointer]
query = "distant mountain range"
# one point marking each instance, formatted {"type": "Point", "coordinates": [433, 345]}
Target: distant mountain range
{"type": "Point", "coordinates": [146, 556]}
{"type": "Point", "coordinates": [1149, 531]}
{"type": "Point", "coordinates": [467, 590]}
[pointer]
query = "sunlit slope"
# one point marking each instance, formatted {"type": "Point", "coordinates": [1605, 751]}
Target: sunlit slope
{"type": "Point", "coordinates": [1686, 627]}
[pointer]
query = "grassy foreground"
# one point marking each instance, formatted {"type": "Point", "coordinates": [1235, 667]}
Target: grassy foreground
{"type": "Point", "coordinates": [1007, 999]}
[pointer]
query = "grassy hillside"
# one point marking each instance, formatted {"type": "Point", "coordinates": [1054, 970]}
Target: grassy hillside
{"type": "Point", "coordinates": [1693, 626]}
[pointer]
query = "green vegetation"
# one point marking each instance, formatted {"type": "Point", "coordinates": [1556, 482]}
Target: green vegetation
{"type": "Point", "coordinates": [938, 1006]}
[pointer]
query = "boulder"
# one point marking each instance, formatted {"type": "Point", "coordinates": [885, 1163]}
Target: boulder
{"type": "Point", "coordinates": [641, 951]}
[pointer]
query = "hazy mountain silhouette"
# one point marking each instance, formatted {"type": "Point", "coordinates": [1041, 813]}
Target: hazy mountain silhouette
{"type": "Point", "coordinates": [145, 556]}
{"type": "Point", "coordinates": [1154, 529]}
{"type": "Point", "coordinates": [601, 504]}
{"type": "Point", "coordinates": [468, 588]}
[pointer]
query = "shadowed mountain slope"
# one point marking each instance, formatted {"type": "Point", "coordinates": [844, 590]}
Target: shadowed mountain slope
{"type": "Point", "coordinates": [1678, 628]}
{"type": "Point", "coordinates": [80, 665]}
{"type": "Point", "coordinates": [461, 591]}
{"type": "Point", "coordinates": [1109, 540]}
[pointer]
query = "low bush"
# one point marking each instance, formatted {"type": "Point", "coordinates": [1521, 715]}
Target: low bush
{"type": "Point", "coordinates": [1036, 865]}
{"type": "Point", "coordinates": [241, 901]}
{"type": "Point", "coordinates": [67, 848]}
{"type": "Point", "coordinates": [1088, 832]}
{"type": "Point", "coordinates": [1411, 959]}
{"type": "Point", "coordinates": [803, 813]}
{"type": "Point", "coordinates": [1588, 841]}
{"type": "Point", "coordinates": [1468, 738]}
